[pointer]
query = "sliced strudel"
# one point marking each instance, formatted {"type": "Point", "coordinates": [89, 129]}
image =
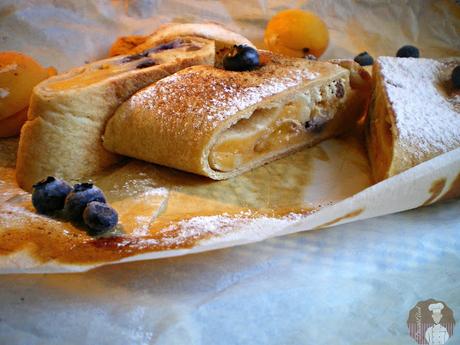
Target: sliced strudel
{"type": "Point", "coordinates": [68, 112]}
{"type": "Point", "coordinates": [220, 123]}
{"type": "Point", "coordinates": [224, 38]}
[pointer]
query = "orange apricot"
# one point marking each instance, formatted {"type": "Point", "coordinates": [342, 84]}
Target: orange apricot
{"type": "Point", "coordinates": [19, 74]}
{"type": "Point", "coordinates": [123, 45]}
{"type": "Point", "coordinates": [296, 33]}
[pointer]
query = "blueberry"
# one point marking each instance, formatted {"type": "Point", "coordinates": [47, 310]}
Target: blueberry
{"type": "Point", "coordinates": [241, 58]}
{"type": "Point", "coordinates": [146, 63]}
{"type": "Point", "coordinates": [364, 59]}
{"type": "Point", "coordinates": [408, 51]}
{"type": "Point", "coordinates": [166, 46]}
{"type": "Point", "coordinates": [49, 195]}
{"type": "Point", "coordinates": [99, 217]}
{"type": "Point", "coordinates": [134, 57]}
{"type": "Point", "coordinates": [456, 77]}
{"type": "Point", "coordinates": [82, 195]}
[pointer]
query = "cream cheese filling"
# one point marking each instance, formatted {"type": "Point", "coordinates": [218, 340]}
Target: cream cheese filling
{"type": "Point", "coordinates": [278, 126]}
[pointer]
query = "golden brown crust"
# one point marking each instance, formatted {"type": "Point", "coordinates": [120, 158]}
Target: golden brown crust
{"type": "Point", "coordinates": [176, 121]}
{"type": "Point", "coordinates": [62, 136]}
{"type": "Point", "coordinates": [379, 139]}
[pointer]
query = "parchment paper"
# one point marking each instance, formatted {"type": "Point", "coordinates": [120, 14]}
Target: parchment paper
{"type": "Point", "coordinates": [353, 284]}
{"type": "Point", "coordinates": [68, 33]}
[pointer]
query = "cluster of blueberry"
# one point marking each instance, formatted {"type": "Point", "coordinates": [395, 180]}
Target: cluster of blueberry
{"type": "Point", "coordinates": [364, 59]}
{"type": "Point", "coordinates": [84, 202]}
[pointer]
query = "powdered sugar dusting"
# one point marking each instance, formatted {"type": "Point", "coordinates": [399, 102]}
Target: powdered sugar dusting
{"type": "Point", "coordinates": [17, 215]}
{"type": "Point", "coordinates": [142, 225]}
{"type": "Point", "coordinates": [186, 110]}
{"type": "Point", "coordinates": [226, 93]}
{"type": "Point", "coordinates": [213, 227]}
{"type": "Point", "coordinates": [427, 112]}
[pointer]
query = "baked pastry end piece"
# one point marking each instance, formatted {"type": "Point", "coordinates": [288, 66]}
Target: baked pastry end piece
{"type": "Point", "coordinates": [414, 113]}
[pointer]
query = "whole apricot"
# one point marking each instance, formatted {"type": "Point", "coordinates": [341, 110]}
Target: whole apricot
{"type": "Point", "coordinates": [297, 33]}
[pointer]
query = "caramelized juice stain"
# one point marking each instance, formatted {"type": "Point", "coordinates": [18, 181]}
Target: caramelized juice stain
{"type": "Point", "coordinates": [275, 190]}
{"type": "Point", "coordinates": [354, 141]}
{"type": "Point", "coordinates": [45, 245]}
{"type": "Point", "coordinates": [279, 184]}
{"type": "Point", "coordinates": [339, 219]}
{"type": "Point", "coordinates": [435, 190]}
{"type": "Point", "coordinates": [48, 240]}
{"type": "Point", "coordinates": [453, 191]}
{"type": "Point", "coordinates": [241, 199]}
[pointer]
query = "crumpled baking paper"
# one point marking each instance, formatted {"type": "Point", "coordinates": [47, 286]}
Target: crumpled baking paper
{"type": "Point", "coordinates": [68, 33]}
{"type": "Point", "coordinates": [349, 285]}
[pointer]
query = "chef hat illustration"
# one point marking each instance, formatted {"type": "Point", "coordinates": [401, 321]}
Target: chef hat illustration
{"type": "Point", "coordinates": [436, 308]}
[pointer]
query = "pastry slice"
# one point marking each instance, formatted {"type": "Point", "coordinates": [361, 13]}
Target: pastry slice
{"type": "Point", "coordinates": [220, 123]}
{"type": "Point", "coordinates": [68, 112]}
{"type": "Point", "coordinates": [224, 38]}
{"type": "Point", "coordinates": [414, 114]}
